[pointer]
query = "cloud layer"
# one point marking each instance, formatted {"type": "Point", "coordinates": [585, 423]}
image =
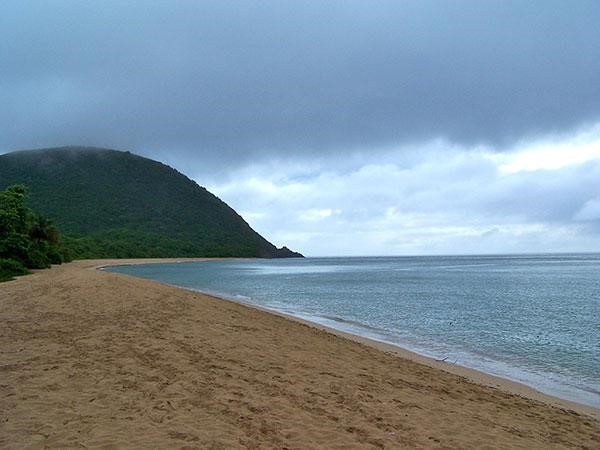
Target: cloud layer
{"type": "Point", "coordinates": [227, 82]}
{"type": "Point", "coordinates": [433, 201]}
{"type": "Point", "coordinates": [335, 127]}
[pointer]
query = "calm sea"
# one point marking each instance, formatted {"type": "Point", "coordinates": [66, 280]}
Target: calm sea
{"type": "Point", "coordinates": [533, 319]}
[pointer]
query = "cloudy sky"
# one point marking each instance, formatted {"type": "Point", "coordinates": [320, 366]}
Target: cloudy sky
{"type": "Point", "coordinates": [345, 127]}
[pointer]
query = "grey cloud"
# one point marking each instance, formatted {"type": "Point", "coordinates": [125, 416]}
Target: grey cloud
{"type": "Point", "coordinates": [231, 82]}
{"type": "Point", "coordinates": [544, 196]}
{"type": "Point", "coordinates": [589, 212]}
{"type": "Point", "coordinates": [464, 205]}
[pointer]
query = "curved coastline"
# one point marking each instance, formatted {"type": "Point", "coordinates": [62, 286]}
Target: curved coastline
{"type": "Point", "coordinates": [503, 383]}
{"type": "Point", "coordinates": [96, 359]}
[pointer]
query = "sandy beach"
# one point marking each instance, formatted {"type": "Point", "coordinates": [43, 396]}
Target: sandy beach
{"type": "Point", "coordinates": [94, 359]}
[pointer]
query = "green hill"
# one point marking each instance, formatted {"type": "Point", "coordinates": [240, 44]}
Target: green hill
{"type": "Point", "coordinates": [109, 203]}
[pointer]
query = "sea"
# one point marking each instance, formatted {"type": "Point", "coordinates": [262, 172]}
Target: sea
{"type": "Point", "coordinates": [534, 319]}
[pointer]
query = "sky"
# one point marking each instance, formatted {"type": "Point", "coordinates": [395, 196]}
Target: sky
{"type": "Point", "coordinates": [339, 127]}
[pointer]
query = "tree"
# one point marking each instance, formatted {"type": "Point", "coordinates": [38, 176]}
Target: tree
{"type": "Point", "coordinates": [27, 239]}
{"type": "Point", "coordinates": [14, 239]}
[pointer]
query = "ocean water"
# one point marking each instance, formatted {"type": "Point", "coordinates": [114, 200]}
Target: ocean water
{"type": "Point", "coordinates": [533, 319]}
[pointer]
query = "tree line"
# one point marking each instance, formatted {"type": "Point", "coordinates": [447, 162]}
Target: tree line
{"type": "Point", "coordinates": [28, 240]}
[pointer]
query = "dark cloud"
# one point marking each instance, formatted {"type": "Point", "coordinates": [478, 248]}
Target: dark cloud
{"type": "Point", "coordinates": [230, 82]}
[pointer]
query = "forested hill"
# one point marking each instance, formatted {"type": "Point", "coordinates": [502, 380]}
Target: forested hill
{"type": "Point", "coordinates": [110, 203]}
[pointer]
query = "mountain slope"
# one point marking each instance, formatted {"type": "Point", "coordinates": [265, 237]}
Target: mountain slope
{"type": "Point", "coordinates": [110, 203]}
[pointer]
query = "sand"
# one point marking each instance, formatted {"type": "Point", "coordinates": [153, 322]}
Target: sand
{"type": "Point", "coordinates": [93, 359]}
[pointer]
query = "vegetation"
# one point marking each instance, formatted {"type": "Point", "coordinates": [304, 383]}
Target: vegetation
{"type": "Point", "coordinates": [113, 204]}
{"type": "Point", "coordinates": [28, 240]}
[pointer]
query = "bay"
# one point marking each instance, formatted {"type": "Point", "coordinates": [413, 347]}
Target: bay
{"type": "Point", "coordinates": [530, 318]}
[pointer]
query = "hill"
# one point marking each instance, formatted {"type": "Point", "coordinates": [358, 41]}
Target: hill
{"type": "Point", "coordinates": [110, 203]}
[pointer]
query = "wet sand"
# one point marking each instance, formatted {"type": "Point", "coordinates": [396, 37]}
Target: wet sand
{"type": "Point", "coordinates": [95, 359]}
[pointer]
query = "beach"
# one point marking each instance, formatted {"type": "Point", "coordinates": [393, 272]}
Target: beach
{"type": "Point", "coordinates": [96, 359]}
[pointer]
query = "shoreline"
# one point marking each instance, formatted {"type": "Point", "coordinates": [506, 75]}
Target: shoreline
{"type": "Point", "coordinates": [474, 375]}
{"type": "Point", "coordinates": [95, 359]}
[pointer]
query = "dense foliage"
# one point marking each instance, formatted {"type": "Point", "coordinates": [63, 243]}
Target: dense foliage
{"type": "Point", "coordinates": [27, 239]}
{"type": "Point", "coordinates": [115, 204]}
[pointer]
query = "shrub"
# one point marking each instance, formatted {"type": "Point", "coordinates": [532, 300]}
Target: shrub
{"type": "Point", "coordinates": [10, 268]}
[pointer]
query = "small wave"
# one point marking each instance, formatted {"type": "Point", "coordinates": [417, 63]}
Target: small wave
{"type": "Point", "coordinates": [351, 322]}
{"type": "Point", "coordinates": [464, 266]}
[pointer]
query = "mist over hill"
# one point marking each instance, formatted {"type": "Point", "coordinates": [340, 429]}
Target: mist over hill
{"type": "Point", "coordinates": [114, 204]}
